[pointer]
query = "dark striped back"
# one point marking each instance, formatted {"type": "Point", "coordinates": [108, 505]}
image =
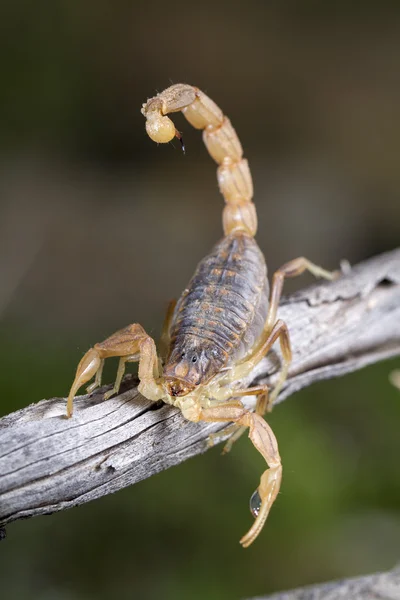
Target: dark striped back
{"type": "Point", "coordinates": [225, 304]}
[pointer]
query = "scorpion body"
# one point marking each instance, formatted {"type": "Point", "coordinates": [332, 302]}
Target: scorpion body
{"type": "Point", "coordinates": [224, 322]}
{"type": "Point", "coordinates": [221, 313]}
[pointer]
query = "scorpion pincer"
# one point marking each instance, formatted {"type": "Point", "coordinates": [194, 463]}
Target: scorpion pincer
{"type": "Point", "coordinates": [226, 319]}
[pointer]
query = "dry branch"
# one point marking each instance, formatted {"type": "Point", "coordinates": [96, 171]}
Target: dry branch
{"type": "Point", "coordinates": [49, 463]}
{"type": "Point", "coordinates": [380, 586]}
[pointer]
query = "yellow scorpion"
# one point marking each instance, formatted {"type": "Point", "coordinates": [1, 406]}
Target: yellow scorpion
{"type": "Point", "coordinates": [225, 320]}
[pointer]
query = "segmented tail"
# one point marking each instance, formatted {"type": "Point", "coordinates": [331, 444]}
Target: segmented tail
{"type": "Point", "coordinates": [222, 142]}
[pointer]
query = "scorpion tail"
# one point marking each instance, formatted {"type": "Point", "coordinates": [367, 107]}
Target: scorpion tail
{"type": "Point", "coordinates": [222, 143]}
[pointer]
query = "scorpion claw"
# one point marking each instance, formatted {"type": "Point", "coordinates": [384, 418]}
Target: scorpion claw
{"type": "Point", "coordinates": [261, 502]}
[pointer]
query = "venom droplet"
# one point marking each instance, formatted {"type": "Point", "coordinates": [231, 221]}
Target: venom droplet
{"type": "Point", "coordinates": [255, 504]}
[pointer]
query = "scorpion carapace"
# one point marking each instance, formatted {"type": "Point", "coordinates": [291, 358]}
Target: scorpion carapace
{"type": "Point", "coordinates": [224, 322]}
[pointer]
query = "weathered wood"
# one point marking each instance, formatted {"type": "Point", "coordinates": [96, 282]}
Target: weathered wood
{"type": "Point", "coordinates": [380, 586]}
{"type": "Point", "coordinates": [49, 463]}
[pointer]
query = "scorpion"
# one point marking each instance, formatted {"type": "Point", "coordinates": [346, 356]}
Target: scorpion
{"type": "Point", "coordinates": [225, 321]}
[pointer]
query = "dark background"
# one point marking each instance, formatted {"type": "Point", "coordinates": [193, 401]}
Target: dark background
{"type": "Point", "coordinates": [100, 228]}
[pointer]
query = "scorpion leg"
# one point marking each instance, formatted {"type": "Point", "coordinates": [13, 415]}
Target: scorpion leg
{"type": "Point", "coordinates": [265, 442]}
{"type": "Point", "coordinates": [272, 331]}
{"type": "Point", "coordinates": [235, 431]}
{"type": "Point", "coordinates": [295, 267]}
{"type": "Point", "coordinates": [262, 393]}
{"type": "Point", "coordinates": [277, 329]}
{"type": "Point", "coordinates": [120, 374]}
{"type": "Point", "coordinates": [130, 344]}
{"type": "Point", "coordinates": [264, 399]}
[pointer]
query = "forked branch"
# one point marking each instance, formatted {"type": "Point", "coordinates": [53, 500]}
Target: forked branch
{"type": "Point", "coordinates": [50, 463]}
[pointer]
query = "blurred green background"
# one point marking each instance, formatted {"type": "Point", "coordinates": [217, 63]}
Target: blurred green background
{"type": "Point", "coordinates": [100, 228]}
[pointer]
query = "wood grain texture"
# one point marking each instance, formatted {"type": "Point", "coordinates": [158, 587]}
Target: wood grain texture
{"type": "Point", "coordinates": [380, 586]}
{"type": "Point", "coordinates": [49, 463]}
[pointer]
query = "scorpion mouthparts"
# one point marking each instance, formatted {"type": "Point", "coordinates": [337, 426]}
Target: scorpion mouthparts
{"type": "Point", "coordinates": [178, 387]}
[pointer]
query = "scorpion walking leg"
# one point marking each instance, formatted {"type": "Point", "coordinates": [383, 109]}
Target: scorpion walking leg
{"type": "Point", "coordinates": [265, 442]}
{"type": "Point", "coordinates": [279, 330]}
{"type": "Point", "coordinates": [274, 328]}
{"type": "Point", "coordinates": [130, 344]}
{"type": "Point", "coordinates": [120, 373]}
{"type": "Point", "coordinates": [295, 267]}
{"type": "Point", "coordinates": [235, 431]}
{"type": "Point", "coordinates": [264, 399]}
{"type": "Point", "coordinates": [272, 331]}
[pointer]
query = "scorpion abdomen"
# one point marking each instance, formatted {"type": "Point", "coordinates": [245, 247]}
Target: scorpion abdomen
{"type": "Point", "coordinates": [222, 311]}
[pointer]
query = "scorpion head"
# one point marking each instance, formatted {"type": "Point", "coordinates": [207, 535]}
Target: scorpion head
{"type": "Point", "coordinates": [188, 366]}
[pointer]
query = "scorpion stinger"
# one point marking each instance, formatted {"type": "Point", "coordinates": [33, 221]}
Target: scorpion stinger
{"type": "Point", "coordinates": [224, 323]}
{"type": "Point", "coordinates": [180, 138]}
